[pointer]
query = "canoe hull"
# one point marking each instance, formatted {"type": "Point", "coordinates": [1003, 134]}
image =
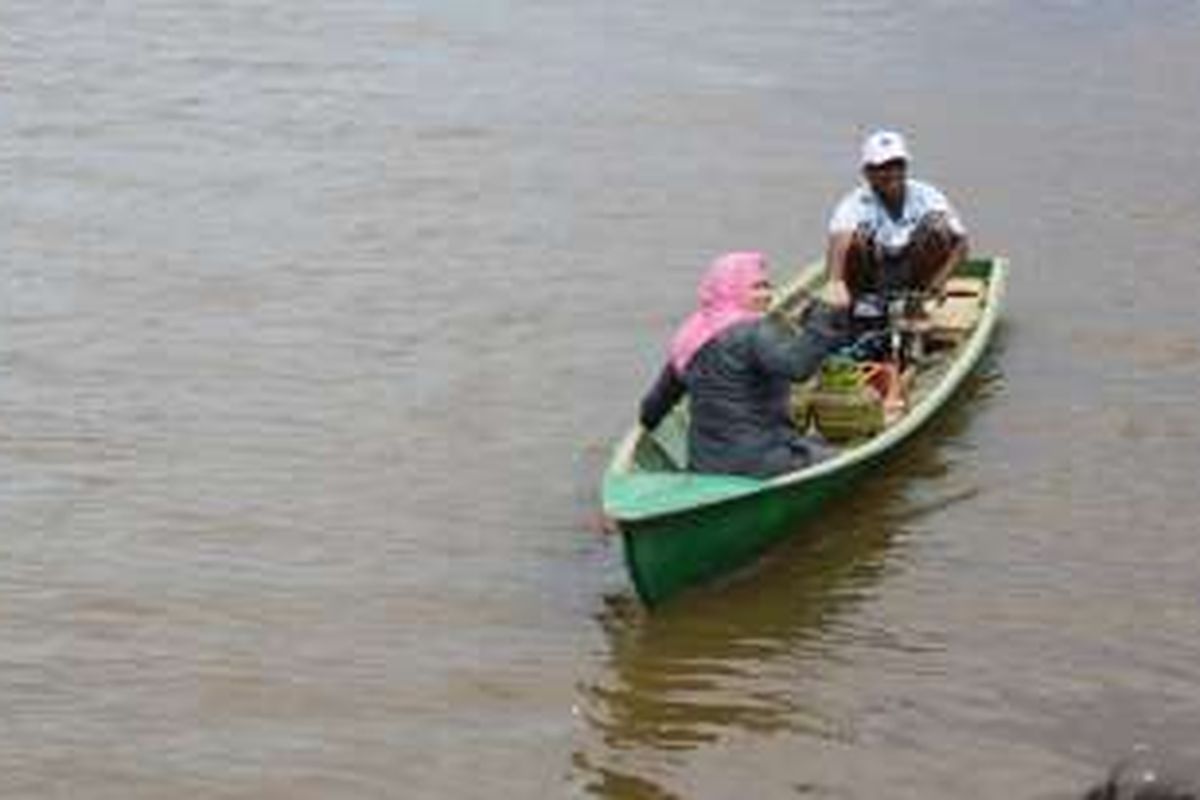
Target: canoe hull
{"type": "Point", "coordinates": [666, 554]}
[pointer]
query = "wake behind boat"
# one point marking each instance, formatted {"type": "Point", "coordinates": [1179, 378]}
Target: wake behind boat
{"type": "Point", "coordinates": [681, 529]}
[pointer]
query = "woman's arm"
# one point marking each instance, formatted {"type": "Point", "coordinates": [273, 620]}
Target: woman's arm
{"type": "Point", "coordinates": [662, 397]}
{"type": "Point", "coordinates": [796, 353]}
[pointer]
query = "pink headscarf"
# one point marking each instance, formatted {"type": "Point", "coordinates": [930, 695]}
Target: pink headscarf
{"type": "Point", "coordinates": [724, 293]}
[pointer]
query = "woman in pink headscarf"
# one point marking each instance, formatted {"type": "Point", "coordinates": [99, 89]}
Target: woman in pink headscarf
{"type": "Point", "coordinates": [736, 365]}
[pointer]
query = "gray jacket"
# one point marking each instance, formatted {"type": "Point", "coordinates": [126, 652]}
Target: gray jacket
{"type": "Point", "coordinates": [739, 389]}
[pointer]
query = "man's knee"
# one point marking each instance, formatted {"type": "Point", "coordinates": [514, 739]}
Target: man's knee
{"type": "Point", "coordinates": [935, 231]}
{"type": "Point", "coordinates": [932, 243]}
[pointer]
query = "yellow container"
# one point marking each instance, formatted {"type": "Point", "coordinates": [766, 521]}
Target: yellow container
{"type": "Point", "coordinates": [845, 414]}
{"type": "Point", "coordinates": [847, 402]}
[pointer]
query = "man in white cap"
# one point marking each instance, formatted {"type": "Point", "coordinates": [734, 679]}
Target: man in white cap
{"type": "Point", "coordinates": [892, 233]}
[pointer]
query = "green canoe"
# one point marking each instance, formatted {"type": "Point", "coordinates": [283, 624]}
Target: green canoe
{"type": "Point", "coordinates": [682, 529]}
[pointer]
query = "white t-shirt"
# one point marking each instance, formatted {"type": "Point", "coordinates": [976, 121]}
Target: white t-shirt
{"type": "Point", "coordinates": [862, 206]}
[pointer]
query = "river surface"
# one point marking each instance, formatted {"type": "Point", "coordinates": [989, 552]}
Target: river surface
{"type": "Point", "coordinates": [318, 320]}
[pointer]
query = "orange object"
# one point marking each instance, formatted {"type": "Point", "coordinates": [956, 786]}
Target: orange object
{"type": "Point", "coordinates": [884, 378]}
{"type": "Point", "coordinates": [879, 375]}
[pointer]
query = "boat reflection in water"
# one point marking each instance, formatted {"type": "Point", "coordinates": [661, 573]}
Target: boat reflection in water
{"type": "Point", "coordinates": [737, 657]}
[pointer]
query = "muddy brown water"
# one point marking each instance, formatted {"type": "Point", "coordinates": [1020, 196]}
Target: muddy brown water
{"type": "Point", "coordinates": [318, 320]}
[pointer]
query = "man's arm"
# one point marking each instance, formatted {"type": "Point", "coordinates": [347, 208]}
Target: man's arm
{"type": "Point", "coordinates": [838, 294]}
{"type": "Point", "coordinates": [843, 222]}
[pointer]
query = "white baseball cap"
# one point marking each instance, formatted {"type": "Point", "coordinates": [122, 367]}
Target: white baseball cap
{"type": "Point", "coordinates": [883, 146]}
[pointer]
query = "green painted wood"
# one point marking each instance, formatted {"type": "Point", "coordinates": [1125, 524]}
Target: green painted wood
{"type": "Point", "coordinates": [653, 494]}
{"type": "Point", "coordinates": [668, 553]}
{"type": "Point", "coordinates": [682, 529]}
